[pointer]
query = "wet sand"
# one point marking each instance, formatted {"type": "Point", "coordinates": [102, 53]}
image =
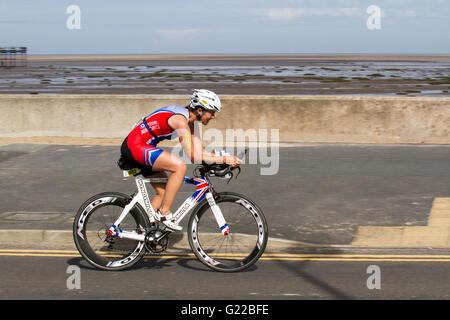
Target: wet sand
{"type": "Point", "coordinates": [403, 75]}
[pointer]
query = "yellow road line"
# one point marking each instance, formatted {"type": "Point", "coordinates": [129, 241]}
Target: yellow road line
{"type": "Point", "coordinates": [381, 259]}
{"type": "Point", "coordinates": [361, 259]}
{"type": "Point", "coordinates": [33, 250]}
{"type": "Point", "coordinates": [303, 255]}
{"type": "Point", "coordinates": [38, 255]}
{"type": "Point", "coordinates": [241, 255]}
{"type": "Point", "coordinates": [265, 257]}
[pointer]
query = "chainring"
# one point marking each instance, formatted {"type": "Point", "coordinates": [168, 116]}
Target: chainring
{"type": "Point", "coordinates": [156, 240]}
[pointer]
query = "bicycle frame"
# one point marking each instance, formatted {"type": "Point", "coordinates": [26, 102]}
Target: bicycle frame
{"type": "Point", "coordinates": [203, 190]}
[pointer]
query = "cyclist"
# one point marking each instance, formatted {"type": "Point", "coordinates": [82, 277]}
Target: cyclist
{"type": "Point", "coordinates": [140, 148]}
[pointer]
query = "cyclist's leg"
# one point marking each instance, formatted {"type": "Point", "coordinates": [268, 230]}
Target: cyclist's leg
{"type": "Point", "coordinates": [160, 189]}
{"type": "Point", "coordinates": [169, 162]}
{"type": "Point", "coordinates": [150, 159]}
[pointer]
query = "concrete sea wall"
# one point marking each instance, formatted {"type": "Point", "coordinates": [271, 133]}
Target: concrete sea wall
{"type": "Point", "coordinates": [361, 119]}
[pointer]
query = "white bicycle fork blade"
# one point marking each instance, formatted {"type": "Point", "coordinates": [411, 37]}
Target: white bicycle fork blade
{"type": "Point", "coordinates": [223, 226]}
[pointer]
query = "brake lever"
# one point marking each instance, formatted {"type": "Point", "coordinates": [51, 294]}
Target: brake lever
{"type": "Point", "coordinates": [231, 173]}
{"type": "Point", "coordinates": [239, 168]}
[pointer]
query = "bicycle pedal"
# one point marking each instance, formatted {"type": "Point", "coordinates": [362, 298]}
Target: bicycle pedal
{"type": "Point", "coordinates": [165, 228]}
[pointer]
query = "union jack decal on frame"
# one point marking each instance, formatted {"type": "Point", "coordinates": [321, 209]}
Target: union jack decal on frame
{"type": "Point", "coordinates": [202, 187]}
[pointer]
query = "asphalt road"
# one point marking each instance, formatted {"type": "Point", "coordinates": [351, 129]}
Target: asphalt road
{"type": "Point", "coordinates": [53, 277]}
{"type": "Point", "coordinates": [320, 193]}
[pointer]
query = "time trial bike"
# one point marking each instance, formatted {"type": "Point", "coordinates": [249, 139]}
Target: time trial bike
{"type": "Point", "coordinates": [226, 231]}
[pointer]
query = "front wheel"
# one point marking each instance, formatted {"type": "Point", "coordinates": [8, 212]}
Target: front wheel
{"type": "Point", "coordinates": [242, 246]}
{"type": "Point", "coordinates": [90, 230]}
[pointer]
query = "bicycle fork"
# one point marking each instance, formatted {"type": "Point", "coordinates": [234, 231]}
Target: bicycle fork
{"type": "Point", "coordinates": [204, 189]}
{"type": "Point", "coordinates": [223, 226]}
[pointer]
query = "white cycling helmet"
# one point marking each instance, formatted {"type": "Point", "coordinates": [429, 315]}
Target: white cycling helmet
{"type": "Point", "coordinates": [205, 99]}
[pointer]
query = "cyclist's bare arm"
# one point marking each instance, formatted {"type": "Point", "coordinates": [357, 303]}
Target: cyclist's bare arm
{"type": "Point", "coordinates": [193, 147]}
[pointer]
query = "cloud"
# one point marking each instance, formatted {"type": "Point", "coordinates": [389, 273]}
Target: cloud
{"type": "Point", "coordinates": [177, 34]}
{"type": "Point", "coordinates": [284, 13]}
{"type": "Point", "coordinates": [294, 13]}
{"type": "Point", "coordinates": [407, 13]}
{"type": "Point", "coordinates": [348, 12]}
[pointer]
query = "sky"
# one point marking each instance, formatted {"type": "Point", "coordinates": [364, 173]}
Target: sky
{"type": "Point", "coordinates": [226, 26]}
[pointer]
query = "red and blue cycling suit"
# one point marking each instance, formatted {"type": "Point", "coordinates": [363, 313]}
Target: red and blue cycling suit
{"type": "Point", "coordinates": [141, 143]}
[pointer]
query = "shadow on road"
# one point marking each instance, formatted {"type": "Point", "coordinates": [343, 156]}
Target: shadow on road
{"type": "Point", "coordinates": [298, 269]}
{"type": "Point", "coordinates": [156, 262]}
